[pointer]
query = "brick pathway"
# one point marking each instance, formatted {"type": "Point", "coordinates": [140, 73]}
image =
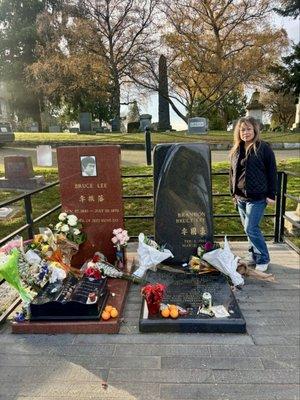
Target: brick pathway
{"type": "Point", "coordinates": [260, 365]}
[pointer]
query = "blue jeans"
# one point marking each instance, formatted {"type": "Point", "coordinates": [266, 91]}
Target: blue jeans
{"type": "Point", "coordinates": [251, 213]}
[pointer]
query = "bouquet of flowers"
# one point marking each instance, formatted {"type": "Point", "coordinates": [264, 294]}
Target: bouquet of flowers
{"type": "Point", "coordinates": [206, 247]}
{"type": "Point", "coordinates": [226, 262]}
{"type": "Point", "coordinates": [99, 264]}
{"type": "Point", "coordinates": [10, 272]}
{"type": "Point", "coordinates": [153, 294]}
{"type": "Point", "coordinates": [120, 240]}
{"type": "Point", "coordinates": [150, 254]}
{"type": "Point", "coordinates": [70, 227]}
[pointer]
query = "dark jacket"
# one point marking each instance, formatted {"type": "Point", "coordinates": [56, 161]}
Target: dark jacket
{"type": "Point", "coordinates": [260, 172]}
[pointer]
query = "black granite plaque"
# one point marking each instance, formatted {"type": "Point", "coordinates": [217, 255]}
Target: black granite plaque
{"type": "Point", "coordinates": [183, 198]}
{"type": "Point", "coordinates": [185, 289]}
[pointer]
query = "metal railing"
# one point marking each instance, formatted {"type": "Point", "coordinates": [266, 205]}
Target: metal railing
{"type": "Point", "coordinates": [278, 215]}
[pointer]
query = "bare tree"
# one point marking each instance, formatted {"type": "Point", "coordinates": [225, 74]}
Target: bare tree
{"type": "Point", "coordinates": [122, 34]}
{"type": "Point", "coordinates": [214, 47]}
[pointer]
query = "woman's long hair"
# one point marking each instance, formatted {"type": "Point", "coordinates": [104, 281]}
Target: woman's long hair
{"type": "Point", "coordinates": [237, 138]}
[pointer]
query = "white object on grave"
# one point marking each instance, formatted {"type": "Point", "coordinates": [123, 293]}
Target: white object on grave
{"type": "Point", "coordinates": [5, 212]}
{"type": "Point", "coordinates": [44, 156]}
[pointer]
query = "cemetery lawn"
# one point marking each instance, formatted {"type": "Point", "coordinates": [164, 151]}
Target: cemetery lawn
{"type": "Point", "coordinates": [220, 137]}
{"type": "Point", "coordinates": [45, 200]}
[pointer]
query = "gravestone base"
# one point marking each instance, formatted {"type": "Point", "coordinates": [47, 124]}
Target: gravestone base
{"type": "Point", "coordinates": [27, 184]}
{"type": "Point", "coordinates": [117, 286]}
{"type": "Point", "coordinates": [185, 290]}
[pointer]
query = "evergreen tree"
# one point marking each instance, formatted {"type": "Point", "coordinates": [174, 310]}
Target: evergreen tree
{"type": "Point", "coordinates": [18, 38]}
{"type": "Point", "coordinates": [133, 113]}
{"type": "Point", "coordinates": [289, 8]}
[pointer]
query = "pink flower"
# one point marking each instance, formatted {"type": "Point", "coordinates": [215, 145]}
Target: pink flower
{"type": "Point", "coordinates": [208, 246]}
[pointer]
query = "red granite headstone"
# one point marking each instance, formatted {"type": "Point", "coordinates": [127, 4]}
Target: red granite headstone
{"type": "Point", "coordinates": [91, 188]}
{"type": "Point", "coordinates": [18, 167]}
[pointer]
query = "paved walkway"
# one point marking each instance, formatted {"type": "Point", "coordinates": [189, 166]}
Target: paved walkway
{"type": "Point", "coordinates": [260, 365]}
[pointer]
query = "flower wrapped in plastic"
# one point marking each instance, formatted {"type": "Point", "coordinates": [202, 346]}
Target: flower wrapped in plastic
{"type": "Point", "coordinates": [225, 261]}
{"type": "Point", "coordinates": [149, 255]}
{"type": "Point", "coordinates": [120, 240]}
{"type": "Point", "coordinates": [100, 264]}
{"type": "Point", "coordinates": [153, 294]}
{"type": "Point", "coordinates": [10, 272]}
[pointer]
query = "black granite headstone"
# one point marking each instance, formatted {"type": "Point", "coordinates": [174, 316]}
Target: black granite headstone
{"type": "Point", "coordinates": [183, 198]}
{"type": "Point", "coordinates": [85, 122]}
{"type": "Point", "coordinates": [185, 290]}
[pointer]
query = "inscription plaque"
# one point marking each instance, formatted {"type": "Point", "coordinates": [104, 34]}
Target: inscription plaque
{"type": "Point", "coordinates": [186, 289]}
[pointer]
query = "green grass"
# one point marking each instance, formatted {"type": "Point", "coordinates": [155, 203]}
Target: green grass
{"type": "Point", "coordinates": [47, 199]}
{"type": "Point", "coordinates": [120, 138]}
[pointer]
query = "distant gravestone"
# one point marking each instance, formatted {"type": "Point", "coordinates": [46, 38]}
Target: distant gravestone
{"type": "Point", "coordinates": [115, 124]}
{"type": "Point", "coordinates": [44, 155]}
{"type": "Point", "coordinates": [74, 130]}
{"type": "Point", "coordinates": [296, 124]}
{"type": "Point", "coordinates": [96, 199]}
{"type": "Point", "coordinates": [197, 125]}
{"type": "Point", "coordinates": [18, 173]}
{"type": "Point", "coordinates": [145, 121]}
{"type": "Point", "coordinates": [18, 167]}
{"type": "Point", "coordinates": [85, 122]}
{"type": "Point", "coordinates": [255, 108]}
{"type": "Point", "coordinates": [54, 129]}
{"type": "Point", "coordinates": [183, 198]}
{"type": "Point", "coordinates": [5, 127]}
{"type": "Point", "coordinates": [34, 127]}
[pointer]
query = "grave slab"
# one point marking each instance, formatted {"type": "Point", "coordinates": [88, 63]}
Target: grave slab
{"type": "Point", "coordinates": [186, 289]}
{"type": "Point", "coordinates": [117, 286]}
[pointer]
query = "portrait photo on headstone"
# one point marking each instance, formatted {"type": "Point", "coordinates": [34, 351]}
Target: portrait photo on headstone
{"type": "Point", "coordinates": [88, 166]}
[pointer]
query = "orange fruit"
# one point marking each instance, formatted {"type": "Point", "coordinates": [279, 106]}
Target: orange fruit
{"type": "Point", "coordinates": [172, 307]}
{"type": "Point", "coordinates": [174, 313]}
{"type": "Point", "coordinates": [105, 315]}
{"type": "Point", "coordinates": [165, 312]}
{"type": "Point", "coordinates": [114, 313]}
{"type": "Point", "coordinates": [108, 308]}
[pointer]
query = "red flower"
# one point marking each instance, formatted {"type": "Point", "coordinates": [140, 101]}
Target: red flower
{"type": "Point", "coordinates": [92, 273]}
{"type": "Point", "coordinates": [153, 293]}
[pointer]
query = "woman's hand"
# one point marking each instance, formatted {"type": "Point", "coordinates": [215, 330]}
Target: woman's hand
{"type": "Point", "coordinates": [269, 201]}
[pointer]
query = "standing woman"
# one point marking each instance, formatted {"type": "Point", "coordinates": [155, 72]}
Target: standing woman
{"type": "Point", "coordinates": [253, 181]}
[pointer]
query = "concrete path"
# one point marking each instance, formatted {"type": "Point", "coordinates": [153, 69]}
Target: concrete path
{"type": "Point", "coordinates": [260, 365]}
{"type": "Point", "coordinates": [135, 157]}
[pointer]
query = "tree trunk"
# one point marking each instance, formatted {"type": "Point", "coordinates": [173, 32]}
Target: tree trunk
{"type": "Point", "coordinates": [163, 94]}
{"type": "Point", "coordinates": [36, 112]}
{"type": "Point", "coordinates": [115, 105]}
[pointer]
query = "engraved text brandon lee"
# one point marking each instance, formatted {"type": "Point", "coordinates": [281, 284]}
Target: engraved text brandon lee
{"type": "Point", "coordinates": [192, 224]}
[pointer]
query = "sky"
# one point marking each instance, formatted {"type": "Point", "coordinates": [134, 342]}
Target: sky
{"type": "Point", "coordinates": [292, 26]}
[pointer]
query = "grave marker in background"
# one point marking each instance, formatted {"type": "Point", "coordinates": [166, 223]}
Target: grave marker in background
{"type": "Point", "coordinates": [198, 125]}
{"type": "Point", "coordinates": [85, 122]}
{"type": "Point", "coordinates": [96, 200]}
{"type": "Point", "coordinates": [19, 174]}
